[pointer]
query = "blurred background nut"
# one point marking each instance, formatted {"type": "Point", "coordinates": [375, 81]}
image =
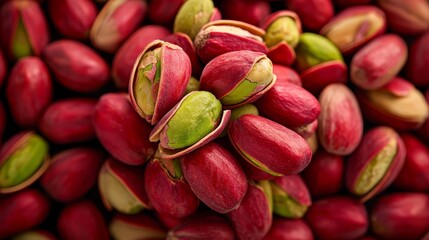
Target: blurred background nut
{"type": "Point", "coordinates": [314, 14]}
{"type": "Point", "coordinates": [284, 229]}
{"type": "Point", "coordinates": [418, 61]}
{"type": "Point", "coordinates": [252, 12]}
{"type": "Point", "coordinates": [163, 12]}
{"type": "Point", "coordinates": [134, 227]}
{"type": "Point", "coordinates": [24, 27]}
{"type": "Point", "coordinates": [116, 21]}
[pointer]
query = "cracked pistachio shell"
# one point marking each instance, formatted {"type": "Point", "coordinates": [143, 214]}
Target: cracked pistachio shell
{"type": "Point", "coordinates": [167, 189]}
{"type": "Point", "coordinates": [398, 104]}
{"type": "Point", "coordinates": [291, 197]}
{"type": "Point", "coordinates": [24, 27]}
{"type": "Point", "coordinates": [192, 15]}
{"type": "Point", "coordinates": [285, 152]}
{"type": "Point", "coordinates": [121, 187]}
{"type": "Point", "coordinates": [375, 163]}
{"type": "Point", "coordinates": [193, 122]}
{"type": "Point", "coordinates": [354, 27]}
{"type": "Point", "coordinates": [282, 26]}
{"type": "Point", "coordinates": [156, 83]}
{"type": "Point", "coordinates": [376, 64]}
{"type": "Point", "coordinates": [23, 159]}
{"type": "Point", "coordinates": [238, 77]}
{"type": "Point", "coordinates": [314, 49]}
{"type": "Point", "coordinates": [139, 226]}
{"type": "Point", "coordinates": [337, 217]}
{"type": "Point", "coordinates": [222, 36]}
{"type": "Point", "coordinates": [215, 176]}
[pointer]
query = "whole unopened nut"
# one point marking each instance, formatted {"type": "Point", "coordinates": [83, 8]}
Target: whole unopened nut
{"type": "Point", "coordinates": [286, 74]}
{"type": "Point", "coordinates": [374, 65]}
{"type": "Point", "coordinates": [68, 121]}
{"type": "Point", "coordinates": [215, 176]}
{"type": "Point", "coordinates": [340, 122]}
{"type": "Point", "coordinates": [314, 14]}
{"type": "Point", "coordinates": [76, 66]}
{"type": "Point", "coordinates": [163, 12]}
{"type": "Point", "coordinates": [252, 12]}
{"type": "Point", "coordinates": [285, 229]}
{"type": "Point", "coordinates": [418, 60]}
{"type": "Point", "coordinates": [375, 163]}
{"type": "Point", "coordinates": [29, 91]}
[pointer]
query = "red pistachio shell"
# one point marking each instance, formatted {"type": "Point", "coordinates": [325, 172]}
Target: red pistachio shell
{"type": "Point", "coordinates": [282, 53]}
{"type": "Point", "coordinates": [139, 226]}
{"type": "Point", "coordinates": [117, 20]}
{"type": "Point", "coordinates": [361, 162]}
{"type": "Point", "coordinates": [286, 74]}
{"type": "Point", "coordinates": [73, 18]}
{"type": "Point", "coordinates": [169, 194]}
{"type": "Point", "coordinates": [372, 24]}
{"type": "Point", "coordinates": [287, 229]}
{"type": "Point", "coordinates": [172, 80]}
{"type": "Point", "coordinates": [314, 14]}
{"type": "Point", "coordinates": [339, 217]}
{"type": "Point", "coordinates": [418, 61]}
{"type": "Point", "coordinates": [72, 173]}
{"type": "Point", "coordinates": [285, 152]}
{"type": "Point", "coordinates": [167, 220]}
{"type": "Point", "coordinates": [3, 68]}
{"type": "Point", "coordinates": [215, 176]}
{"type": "Point", "coordinates": [213, 41]}
{"type": "Point", "coordinates": [252, 12]}
{"type": "Point", "coordinates": [340, 122]}
{"type": "Point", "coordinates": [252, 172]}
{"type": "Point", "coordinates": [253, 218]}
{"type": "Point", "coordinates": [82, 221]}
{"type": "Point", "coordinates": [22, 211]}
{"type": "Point", "coordinates": [2, 120]}
{"type": "Point", "coordinates": [413, 175]}
{"type": "Point", "coordinates": [289, 105]}
{"type": "Point", "coordinates": [324, 174]}
{"type": "Point", "coordinates": [121, 131]}
{"type": "Point", "coordinates": [184, 41]}
{"type": "Point", "coordinates": [76, 66]}
{"type": "Point", "coordinates": [318, 77]}
{"type": "Point", "coordinates": [28, 91]}
{"type": "Point", "coordinates": [202, 226]}
{"type": "Point", "coordinates": [126, 55]}
{"type": "Point", "coordinates": [69, 121]}
{"type": "Point", "coordinates": [163, 12]}
{"type": "Point", "coordinates": [30, 15]}
{"type": "Point", "coordinates": [378, 62]}
{"type": "Point", "coordinates": [348, 3]}
{"type": "Point", "coordinates": [406, 17]}
{"type": "Point", "coordinates": [401, 216]}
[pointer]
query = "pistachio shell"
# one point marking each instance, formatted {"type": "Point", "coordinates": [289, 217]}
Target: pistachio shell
{"type": "Point", "coordinates": [284, 229]}
{"type": "Point", "coordinates": [318, 77]}
{"type": "Point", "coordinates": [314, 14]}
{"type": "Point", "coordinates": [132, 227]}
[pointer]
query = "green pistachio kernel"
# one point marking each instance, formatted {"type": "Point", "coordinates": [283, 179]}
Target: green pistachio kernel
{"type": "Point", "coordinates": [197, 116]}
{"type": "Point", "coordinates": [148, 76]}
{"type": "Point", "coordinates": [117, 195]}
{"type": "Point", "coordinates": [192, 16]}
{"type": "Point", "coordinates": [260, 76]}
{"type": "Point", "coordinates": [244, 109]}
{"type": "Point", "coordinates": [173, 167]}
{"type": "Point", "coordinates": [285, 205]}
{"type": "Point", "coordinates": [193, 85]}
{"type": "Point", "coordinates": [23, 162]}
{"type": "Point", "coordinates": [266, 186]}
{"type": "Point", "coordinates": [21, 43]}
{"type": "Point", "coordinates": [376, 169]}
{"type": "Point", "coordinates": [282, 29]}
{"type": "Point", "coordinates": [314, 49]}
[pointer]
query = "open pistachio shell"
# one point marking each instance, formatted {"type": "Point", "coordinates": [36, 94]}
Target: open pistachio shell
{"type": "Point", "coordinates": [354, 27]}
{"type": "Point", "coordinates": [222, 36]}
{"type": "Point", "coordinates": [375, 163]}
{"type": "Point", "coordinates": [238, 77]}
{"type": "Point", "coordinates": [23, 159]}
{"type": "Point", "coordinates": [121, 187]}
{"type": "Point", "coordinates": [185, 128]}
{"type": "Point", "coordinates": [156, 84]}
{"type": "Point", "coordinates": [318, 77]}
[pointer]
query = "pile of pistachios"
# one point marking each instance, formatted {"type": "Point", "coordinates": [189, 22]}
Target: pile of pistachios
{"type": "Point", "coordinates": [214, 119]}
